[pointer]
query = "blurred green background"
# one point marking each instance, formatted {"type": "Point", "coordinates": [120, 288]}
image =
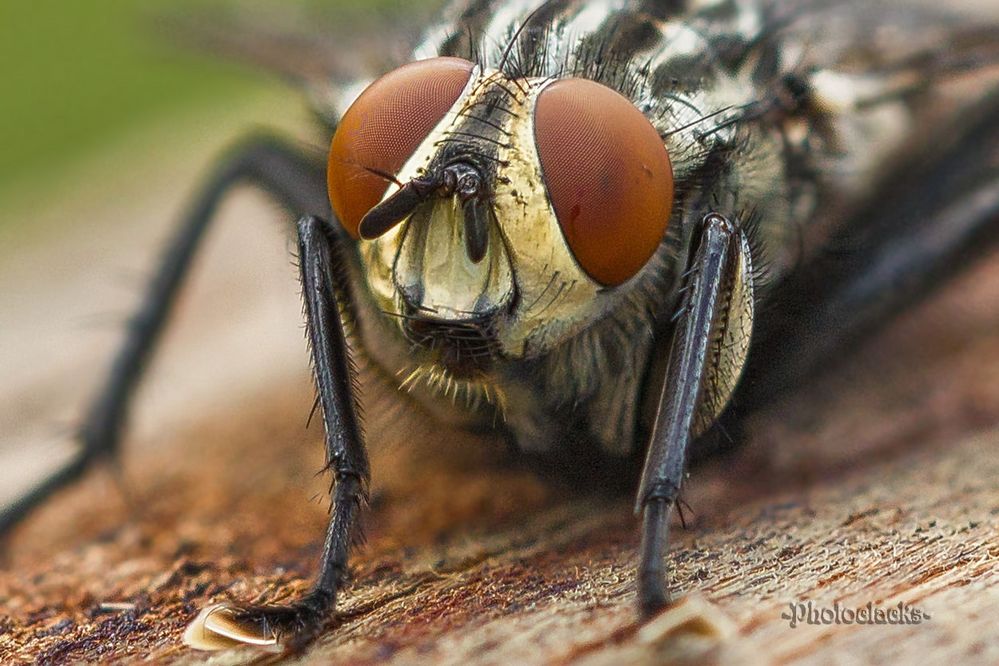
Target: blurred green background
{"type": "Point", "coordinates": [78, 72]}
{"type": "Point", "coordinates": [78, 75]}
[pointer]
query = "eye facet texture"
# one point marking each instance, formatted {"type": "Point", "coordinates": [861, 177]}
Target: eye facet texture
{"type": "Point", "coordinates": [608, 176]}
{"type": "Point", "coordinates": [384, 127]}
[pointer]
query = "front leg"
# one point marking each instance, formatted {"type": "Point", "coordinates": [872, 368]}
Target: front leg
{"type": "Point", "coordinates": [229, 625]}
{"type": "Point", "coordinates": [709, 347]}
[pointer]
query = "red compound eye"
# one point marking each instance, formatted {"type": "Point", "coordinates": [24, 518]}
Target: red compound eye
{"type": "Point", "coordinates": [608, 177]}
{"type": "Point", "coordinates": [382, 129]}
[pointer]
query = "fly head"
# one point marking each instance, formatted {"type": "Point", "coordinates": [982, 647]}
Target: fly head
{"type": "Point", "coordinates": [497, 216]}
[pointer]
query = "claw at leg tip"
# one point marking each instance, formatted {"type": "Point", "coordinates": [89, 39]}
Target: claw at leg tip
{"type": "Point", "coordinates": [690, 615]}
{"type": "Point", "coordinates": [216, 628]}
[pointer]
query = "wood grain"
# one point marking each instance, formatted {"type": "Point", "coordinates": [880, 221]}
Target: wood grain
{"type": "Point", "coordinates": [878, 483]}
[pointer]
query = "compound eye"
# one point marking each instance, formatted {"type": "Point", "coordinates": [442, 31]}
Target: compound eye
{"type": "Point", "coordinates": [608, 177]}
{"type": "Point", "coordinates": [384, 127]}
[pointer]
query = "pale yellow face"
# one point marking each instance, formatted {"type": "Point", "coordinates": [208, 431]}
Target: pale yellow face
{"type": "Point", "coordinates": [528, 266]}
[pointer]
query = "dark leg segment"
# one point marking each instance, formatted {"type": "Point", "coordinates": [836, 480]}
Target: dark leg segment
{"type": "Point", "coordinates": [671, 435]}
{"type": "Point", "coordinates": [345, 452]}
{"type": "Point", "coordinates": [295, 180]}
{"type": "Point", "coordinates": [927, 224]}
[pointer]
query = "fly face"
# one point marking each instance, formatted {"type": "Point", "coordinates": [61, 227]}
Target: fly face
{"type": "Point", "coordinates": [503, 220]}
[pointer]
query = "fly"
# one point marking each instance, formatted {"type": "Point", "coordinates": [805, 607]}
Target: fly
{"type": "Point", "coordinates": [601, 226]}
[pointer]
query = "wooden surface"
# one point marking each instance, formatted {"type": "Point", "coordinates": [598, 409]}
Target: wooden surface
{"type": "Point", "coordinates": [877, 484]}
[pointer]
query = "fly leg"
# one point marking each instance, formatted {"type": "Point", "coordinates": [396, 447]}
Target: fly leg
{"type": "Point", "coordinates": [345, 456]}
{"type": "Point", "coordinates": [295, 180]}
{"type": "Point", "coordinates": [706, 356]}
{"type": "Point", "coordinates": [924, 226]}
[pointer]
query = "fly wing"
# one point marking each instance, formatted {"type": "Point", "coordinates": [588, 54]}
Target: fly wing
{"type": "Point", "coordinates": [329, 53]}
{"type": "Point", "coordinates": [885, 35]}
{"type": "Point", "coordinates": [929, 209]}
{"type": "Point", "coordinates": [914, 44]}
{"type": "Point", "coordinates": [929, 223]}
{"type": "Point", "coordinates": [884, 81]}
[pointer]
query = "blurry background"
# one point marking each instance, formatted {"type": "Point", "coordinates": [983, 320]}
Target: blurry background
{"type": "Point", "coordinates": [110, 117]}
{"type": "Point", "coordinates": [77, 78]}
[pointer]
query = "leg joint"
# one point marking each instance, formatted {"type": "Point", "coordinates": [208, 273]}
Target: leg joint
{"type": "Point", "coordinates": [663, 491]}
